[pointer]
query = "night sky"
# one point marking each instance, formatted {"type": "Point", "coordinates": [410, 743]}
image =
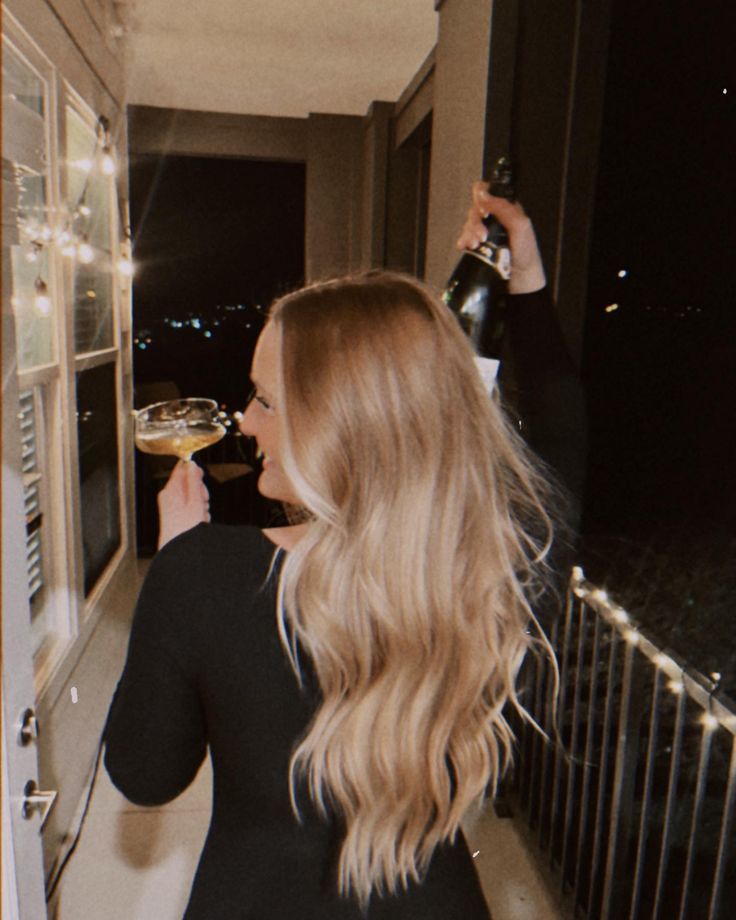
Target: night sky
{"type": "Point", "coordinates": [659, 364]}
{"type": "Point", "coordinates": [214, 239]}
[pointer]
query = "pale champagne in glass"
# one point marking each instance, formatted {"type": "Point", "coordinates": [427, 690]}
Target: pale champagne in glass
{"type": "Point", "coordinates": [178, 427]}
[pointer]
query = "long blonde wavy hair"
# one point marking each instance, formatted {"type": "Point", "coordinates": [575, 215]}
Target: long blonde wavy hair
{"type": "Point", "coordinates": [410, 591]}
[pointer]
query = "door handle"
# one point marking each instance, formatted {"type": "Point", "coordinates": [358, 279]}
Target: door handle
{"type": "Point", "coordinates": [28, 728]}
{"type": "Point", "coordinates": [36, 800]}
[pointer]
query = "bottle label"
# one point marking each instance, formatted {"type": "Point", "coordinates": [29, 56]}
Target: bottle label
{"type": "Point", "coordinates": [488, 369]}
{"type": "Point", "coordinates": [498, 257]}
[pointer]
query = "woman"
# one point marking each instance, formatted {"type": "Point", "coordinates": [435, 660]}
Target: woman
{"type": "Point", "coordinates": [347, 673]}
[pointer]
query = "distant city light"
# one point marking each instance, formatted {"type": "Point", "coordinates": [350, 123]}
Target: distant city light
{"type": "Point", "coordinates": [611, 307]}
{"type": "Point", "coordinates": [622, 273]}
{"type": "Point", "coordinates": [196, 323]}
{"type": "Point", "coordinates": [724, 90]}
{"type": "Point", "coordinates": [208, 334]}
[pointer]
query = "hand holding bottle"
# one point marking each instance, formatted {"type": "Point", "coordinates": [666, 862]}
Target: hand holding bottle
{"type": "Point", "coordinates": [183, 503]}
{"type": "Point", "coordinates": [527, 272]}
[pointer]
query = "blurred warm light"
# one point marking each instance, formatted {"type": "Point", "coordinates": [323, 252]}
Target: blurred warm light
{"type": "Point", "coordinates": [622, 273]}
{"type": "Point", "coordinates": [709, 721]}
{"type": "Point", "coordinates": [125, 266]}
{"type": "Point", "coordinates": [107, 163]}
{"type": "Point", "coordinates": [85, 253]}
{"type": "Point", "coordinates": [611, 307]}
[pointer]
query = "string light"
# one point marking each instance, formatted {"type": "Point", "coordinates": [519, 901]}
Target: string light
{"type": "Point", "coordinates": [663, 662]}
{"type": "Point", "coordinates": [42, 301]}
{"type": "Point", "coordinates": [709, 721]}
{"type": "Point", "coordinates": [85, 253]}
{"type": "Point", "coordinates": [125, 266]}
{"type": "Point", "coordinates": [676, 686]}
{"type": "Point", "coordinates": [107, 163]}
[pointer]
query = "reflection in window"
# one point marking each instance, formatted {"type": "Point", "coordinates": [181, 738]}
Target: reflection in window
{"type": "Point", "coordinates": [89, 193]}
{"type": "Point", "coordinates": [98, 469]}
{"type": "Point", "coordinates": [26, 209]}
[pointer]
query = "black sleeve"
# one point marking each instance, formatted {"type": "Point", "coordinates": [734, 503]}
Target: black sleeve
{"type": "Point", "coordinates": [155, 734]}
{"type": "Point", "coordinates": [549, 394]}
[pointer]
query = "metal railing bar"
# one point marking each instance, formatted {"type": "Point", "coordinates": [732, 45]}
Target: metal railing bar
{"type": "Point", "coordinates": [549, 704]}
{"type": "Point", "coordinates": [703, 761]}
{"type": "Point", "coordinates": [647, 795]}
{"type": "Point", "coordinates": [619, 619]}
{"type": "Point", "coordinates": [559, 755]}
{"type": "Point", "coordinates": [603, 770]}
{"type": "Point", "coordinates": [620, 767]}
{"type": "Point", "coordinates": [533, 738]}
{"type": "Point", "coordinates": [588, 765]}
{"type": "Point", "coordinates": [670, 805]}
{"type": "Point", "coordinates": [623, 828]}
{"type": "Point", "coordinates": [725, 840]}
{"type": "Point", "coordinates": [572, 766]}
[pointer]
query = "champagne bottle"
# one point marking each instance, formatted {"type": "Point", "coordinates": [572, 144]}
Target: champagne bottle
{"type": "Point", "coordinates": [476, 291]}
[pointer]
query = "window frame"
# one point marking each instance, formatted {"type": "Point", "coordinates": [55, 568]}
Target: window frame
{"type": "Point", "coordinates": [71, 615]}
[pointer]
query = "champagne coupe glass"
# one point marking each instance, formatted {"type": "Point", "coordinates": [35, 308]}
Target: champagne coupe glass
{"type": "Point", "coordinates": [178, 426]}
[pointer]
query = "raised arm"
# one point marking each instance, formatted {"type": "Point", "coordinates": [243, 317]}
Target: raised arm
{"type": "Point", "coordinates": [548, 395]}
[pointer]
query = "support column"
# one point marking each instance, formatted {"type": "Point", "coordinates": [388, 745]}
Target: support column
{"type": "Point", "coordinates": [458, 125]}
{"type": "Point", "coordinates": [334, 189]}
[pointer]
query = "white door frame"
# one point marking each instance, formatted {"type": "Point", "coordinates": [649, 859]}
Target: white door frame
{"type": "Point", "coordinates": [22, 880]}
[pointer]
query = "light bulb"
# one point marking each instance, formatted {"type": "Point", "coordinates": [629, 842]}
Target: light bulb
{"type": "Point", "coordinates": [125, 266]}
{"type": "Point", "coordinates": [107, 161]}
{"type": "Point", "coordinates": [42, 301]}
{"type": "Point", "coordinates": [85, 253]}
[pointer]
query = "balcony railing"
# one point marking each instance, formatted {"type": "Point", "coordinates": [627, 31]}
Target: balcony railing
{"type": "Point", "coordinates": [631, 800]}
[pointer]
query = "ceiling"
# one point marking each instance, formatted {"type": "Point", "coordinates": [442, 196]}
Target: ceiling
{"type": "Point", "coordinates": [275, 57]}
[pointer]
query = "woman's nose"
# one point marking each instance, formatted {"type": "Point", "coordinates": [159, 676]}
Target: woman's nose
{"type": "Point", "coordinates": [246, 423]}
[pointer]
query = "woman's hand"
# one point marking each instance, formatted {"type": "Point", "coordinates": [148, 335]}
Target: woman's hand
{"type": "Point", "coordinates": [183, 502]}
{"type": "Point", "coordinates": [527, 271]}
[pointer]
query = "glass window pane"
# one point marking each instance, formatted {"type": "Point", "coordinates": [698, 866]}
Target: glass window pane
{"type": "Point", "coordinates": [33, 308]}
{"type": "Point", "coordinates": [98, 469]}
{"type": "Point", "coordinates": [89, 202]}
{"type": "Point", "coordinates": [93, 304]}
{"type": "Point", "coordinates": [20, 83]}
{"type": "Point", "coordinates": [26, 223]}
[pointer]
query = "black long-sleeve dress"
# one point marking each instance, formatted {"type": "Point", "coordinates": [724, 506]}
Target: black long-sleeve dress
{"type": "Point", "coordinates": [206, 669]}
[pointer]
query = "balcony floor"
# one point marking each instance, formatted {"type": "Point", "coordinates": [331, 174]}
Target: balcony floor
{"type": "Point", "coordinates": [134, 862]}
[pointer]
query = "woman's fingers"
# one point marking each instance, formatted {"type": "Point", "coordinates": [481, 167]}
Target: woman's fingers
{"type": "Point", "coordinates": [184, 501]}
